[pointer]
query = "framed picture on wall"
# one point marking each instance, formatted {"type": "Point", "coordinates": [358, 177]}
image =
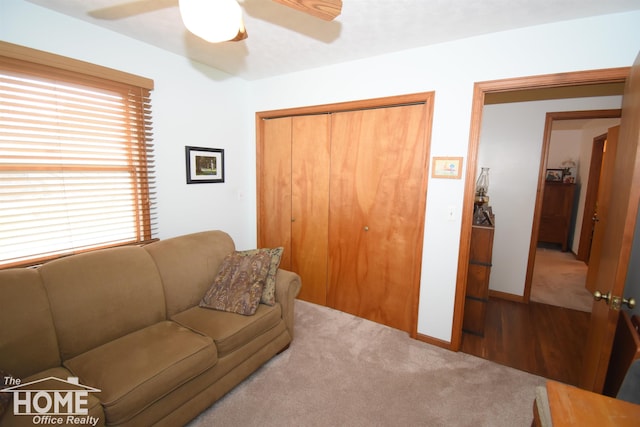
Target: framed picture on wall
{"type": "Point", "coordinates": [554, 175]}
{"type": "Point", "coordinates": [204, 165]}
{"type": "Point", "coordinates": [446, 167]}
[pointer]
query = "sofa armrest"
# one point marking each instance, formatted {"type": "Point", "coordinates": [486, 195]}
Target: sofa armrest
{"type": "Point", "coordinates": [287, 288]}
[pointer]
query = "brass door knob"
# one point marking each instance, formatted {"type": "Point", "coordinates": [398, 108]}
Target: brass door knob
{"type": "Point", "coordinates": [597, 295]}
{"type": "Point", "coordinates": [616, 302]}
{"type": "Point", "coordinates": [366, 228]}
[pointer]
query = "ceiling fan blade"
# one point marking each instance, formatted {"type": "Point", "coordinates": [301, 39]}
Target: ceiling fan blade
{"type": "Point", "coordinates": [242, 34]}
{"type": "Point", "coordinates": [327, 10]}
{"type": "Point", "coordinates": [132, 8]}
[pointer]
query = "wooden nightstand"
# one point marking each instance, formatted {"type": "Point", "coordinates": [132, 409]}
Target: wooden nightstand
{"type": "Point", "coordinates": [561, 405]}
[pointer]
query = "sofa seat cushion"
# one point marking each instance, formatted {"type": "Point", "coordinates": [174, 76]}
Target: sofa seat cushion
{"type": "Point", "coordinates": [138, 369]}
{"type": "Point", "coordinates": [230, 331]}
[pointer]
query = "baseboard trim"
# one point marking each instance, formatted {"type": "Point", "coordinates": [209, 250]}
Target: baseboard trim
{"type": "Point", "coordinates": [506, 296]}
{"type": "Point", "coordinates": [434, 341]}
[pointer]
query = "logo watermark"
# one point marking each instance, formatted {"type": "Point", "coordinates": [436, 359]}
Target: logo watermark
{"type": "Point", "coordinates": [51, 400]}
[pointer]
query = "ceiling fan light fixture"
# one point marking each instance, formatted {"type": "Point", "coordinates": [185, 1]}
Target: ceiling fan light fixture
{"type": "Point", "coordinates": [212, 20]}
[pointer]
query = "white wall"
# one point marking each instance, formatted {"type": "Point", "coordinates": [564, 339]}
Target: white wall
{"type": "Point", "coordinates": [192, 105]}
{"type": "Point", "coordinates": [511, 145]}
{"type": "Point", "coordinates": [563, 145]}
{"type": "Point", "coordinates": [450, 69]}
{"type": "Point", "coordinates": [199, 106]}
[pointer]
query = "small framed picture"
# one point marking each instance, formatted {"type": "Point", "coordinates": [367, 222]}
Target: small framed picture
{"type": "Point", "coordinates": [204, 165]}
{"type": "Point", "coordinates": [554, 175]}
{"type": "Point", "coordinates": [569, 175]}
{"type": "Point", "coordinates": [447, 167]}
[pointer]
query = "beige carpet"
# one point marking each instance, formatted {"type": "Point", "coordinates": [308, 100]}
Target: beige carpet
{"type": "Point", "coordinates": [346, 371]}
{"type": "Point", "coordinates": [558, 279]}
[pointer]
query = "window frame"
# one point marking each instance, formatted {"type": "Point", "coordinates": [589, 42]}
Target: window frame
{"type": "Point", "coordinates": [41, 62]}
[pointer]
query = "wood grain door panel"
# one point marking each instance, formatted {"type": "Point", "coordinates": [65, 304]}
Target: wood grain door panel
{"type": "Point", "coordinates": [274, 187]}
{"type": "Point", "coordinates": [310, 148]}
{"type": "Point", "coordinates": [617, 237]}
{"type": "Point", "coordinates": [377, 193]}
{"type": "Point", "coordinates": [605, 188]}
{"type": "Point", "coordinates": [590, 203]}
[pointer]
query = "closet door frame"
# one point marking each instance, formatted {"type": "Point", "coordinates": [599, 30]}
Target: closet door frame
{"type": "Point", "coordinates": [426, 98]}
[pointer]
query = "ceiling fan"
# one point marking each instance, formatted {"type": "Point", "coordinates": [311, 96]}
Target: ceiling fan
{"type": "Point", "coordinates": [219, 20]}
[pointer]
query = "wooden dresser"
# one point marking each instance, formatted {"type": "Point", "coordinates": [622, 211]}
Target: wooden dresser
{"type": "Point", "coordinates": [478, 273]}
{"type": "Point", "coordinates": [557, 209]}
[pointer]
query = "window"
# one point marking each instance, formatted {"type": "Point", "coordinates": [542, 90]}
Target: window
{"type": "Point", "coordinates": [76, 169]}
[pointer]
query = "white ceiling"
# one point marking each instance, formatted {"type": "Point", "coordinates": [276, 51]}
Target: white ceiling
{"type": "Point", "coordinates": [282, 40]}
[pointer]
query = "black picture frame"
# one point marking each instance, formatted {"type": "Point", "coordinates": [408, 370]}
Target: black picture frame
{"type": "Point", "coordinates": [204, 165]}
{"type": "Point", "coordinates": [554, 175]}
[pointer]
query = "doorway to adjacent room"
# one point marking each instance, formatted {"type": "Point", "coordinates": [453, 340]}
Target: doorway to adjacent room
{"type": "Point", "coordinates": [589, 79]}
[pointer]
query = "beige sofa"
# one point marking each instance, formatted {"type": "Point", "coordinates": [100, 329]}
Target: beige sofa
{"type": "Point", "coordinates": [126, 321]}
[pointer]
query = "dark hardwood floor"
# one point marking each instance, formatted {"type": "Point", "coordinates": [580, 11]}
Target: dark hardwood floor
{"type": "Point", "coordinates": [541, 339]}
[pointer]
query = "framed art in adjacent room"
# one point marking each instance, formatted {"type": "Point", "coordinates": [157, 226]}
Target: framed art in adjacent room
{"type": "Point", "coordinates": [204, 165]}
{"type": "Point", "coordinates": [554, 175]}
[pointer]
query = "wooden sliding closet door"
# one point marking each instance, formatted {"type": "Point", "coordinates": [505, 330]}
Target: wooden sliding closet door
{"type": "Point", "coordinates": [377, 200]}
{"type": "Point", "coordinates": [293, 197]}
{"type": "Point", "coordinates": [274, 187]}
{"type": "Point", "coordinates": [310, 205]}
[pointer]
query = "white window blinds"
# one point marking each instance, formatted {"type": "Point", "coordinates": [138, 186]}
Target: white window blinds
{"type": "Point", "coordinates": [76, 163]}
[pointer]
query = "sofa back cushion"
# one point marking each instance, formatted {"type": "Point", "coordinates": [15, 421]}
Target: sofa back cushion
{"type": "Point", "coordinates": [188, 265]}
{"type": "Point", "coordinates": [102, 295]}
{"type": "Point", "coordinates": [28, 341]}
